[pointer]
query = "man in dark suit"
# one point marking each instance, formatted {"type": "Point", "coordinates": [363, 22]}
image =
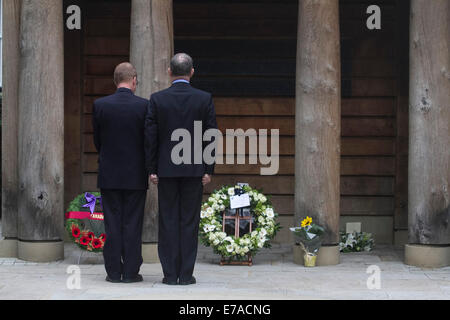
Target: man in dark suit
{"type": "Point", "coordinates": [118, 122]}
{"type": "Point", "coordinates": [180, 183]}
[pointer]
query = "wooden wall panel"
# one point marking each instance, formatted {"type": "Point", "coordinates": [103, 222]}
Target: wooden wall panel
{"type": "Point", "coordinates": [72, 110]}
{"type": "Point", "coordinates": [246, 58]}
{"type": "Point", "coordinates": [402, 116]}
{"type": "Point", "coordinates": [250, 69]}
{"type": "Point", "coordinates": [104, 46]}
{"type": "Point", "coordinates": [106, 26]}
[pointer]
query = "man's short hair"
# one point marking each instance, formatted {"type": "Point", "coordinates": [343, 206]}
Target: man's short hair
{"type": "Point", "coordinates": [181, 65]}
{"type": "Point", "coordinates": [124, 72]}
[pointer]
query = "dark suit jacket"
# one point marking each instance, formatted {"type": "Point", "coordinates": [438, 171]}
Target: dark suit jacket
{"type": "Point", "coordinates": [177, 107]}
{"type": "Point", "coordinates": [118, 122]}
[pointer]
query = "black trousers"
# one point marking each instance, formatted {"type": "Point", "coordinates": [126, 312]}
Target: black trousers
{"type": "Point", "coordinates": [179, 216]}
{"type": "Point", "coordinates": [124, 213]}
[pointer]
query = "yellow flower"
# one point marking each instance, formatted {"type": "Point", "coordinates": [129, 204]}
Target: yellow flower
{"type": "Point", "coordinates": [306, 222]}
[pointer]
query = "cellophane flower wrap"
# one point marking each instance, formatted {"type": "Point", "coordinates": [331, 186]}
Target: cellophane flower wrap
{"type": "Point", "coordinates": [308, 235]}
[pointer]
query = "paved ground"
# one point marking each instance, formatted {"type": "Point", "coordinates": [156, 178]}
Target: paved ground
{"type": "Point", "coordinates": [273, 276]}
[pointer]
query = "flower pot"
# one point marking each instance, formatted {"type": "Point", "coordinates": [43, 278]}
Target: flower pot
{"type": "Point", "coordinates": [310, 260]}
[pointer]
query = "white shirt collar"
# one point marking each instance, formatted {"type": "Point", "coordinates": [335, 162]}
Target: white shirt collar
{"type": "Point", "coordinates": [181, 80]}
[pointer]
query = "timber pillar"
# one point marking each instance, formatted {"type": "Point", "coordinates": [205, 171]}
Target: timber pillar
{"type": "Point", "coordinates": [317, 121]}
{"type": "Point", "coordinates": [429, 135]}
{"type": "Point", "coordinates": [41, 132]}
{"type": "Point", "coordinates": [151, 49]}
{"type": "Point", "coordinates": [11, 53]}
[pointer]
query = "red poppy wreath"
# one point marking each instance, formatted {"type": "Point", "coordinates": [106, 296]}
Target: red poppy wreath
{"type": "Point", "coordinates": [84, 222]}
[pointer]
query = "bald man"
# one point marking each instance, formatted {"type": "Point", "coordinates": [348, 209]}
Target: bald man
{"type": "Point", "coordinates": [180, 185]}
{"type": "Point", "coordinates": [118, 122]}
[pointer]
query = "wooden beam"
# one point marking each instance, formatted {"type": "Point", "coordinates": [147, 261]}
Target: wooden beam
{"type": "Point", "coordinates": [41, 121]}
{"type": "Point", "coordinates": [151, 48]}
{"type": "Point", "coordinates": [429, 123]}
{"type": "Point", "coordinates": [318, 112]}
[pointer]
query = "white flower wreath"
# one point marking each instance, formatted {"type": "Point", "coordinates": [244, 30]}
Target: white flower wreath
{"type": "Point", "coordinates": [211, 216]}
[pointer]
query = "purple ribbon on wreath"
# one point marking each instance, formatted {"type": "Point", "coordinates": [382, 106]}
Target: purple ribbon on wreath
{"type": "Point", "coordinates": [91, 201]}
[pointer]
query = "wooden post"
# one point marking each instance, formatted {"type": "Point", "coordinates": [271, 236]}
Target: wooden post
{"type": "Point", "coordinates": [41, 131]}
{"type": "Point", "coordinates": [429, 118]}
{"type": "Point", "coordinates": [317, 119]}
{"type": "Point", "coordinates": [11, 54]}
{"type": "Point", "coordinates": [151, 49]}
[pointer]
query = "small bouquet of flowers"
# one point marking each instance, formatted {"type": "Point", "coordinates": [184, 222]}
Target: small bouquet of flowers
{"type": "Point", "coordinates": [355, 242]}
{"type": "Point", "coordinates": [309, 237]}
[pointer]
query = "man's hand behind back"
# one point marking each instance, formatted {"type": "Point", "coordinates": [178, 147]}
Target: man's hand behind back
{"type": "Point", "coordinates": [206, 179]}
{"type": "Point", "coordinates": [154, 179]}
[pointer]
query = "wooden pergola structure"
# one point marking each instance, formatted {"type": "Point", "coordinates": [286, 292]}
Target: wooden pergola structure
{"type": "Point", "coordinates": [40, 107]}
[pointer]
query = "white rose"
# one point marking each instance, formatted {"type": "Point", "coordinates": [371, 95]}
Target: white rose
{"type": "Point", "coordinates": [217, 196]}
{"type": "Point", "coordinates": [210, 199]}
{"type": "Point", "coordinates": [254, 233]}
{"type": "Point", "coordinates": [216, 242]}
{"type": "Point", "coordinates": [222, 235]}
{"type": "Point", "coordinates": [246, 249]}
{"type": "Point", "coordinates": [215, 206]}
{"type": "Point", "coordinates": [222, 208]}
{"type": "Point", "coordinates": [231, 191]}
{"type": "Point", "coordinates": [211, 227]}
{"type": "Point", "coordinates": [209, 211]}
{"type": "Point", "coordinates": [260, 244]}
{"type": "Point", "coordinates": [263, 199]}
{"type": "Point", "coordinates": [202, 214]}
{"type": "Point", "coordinates": [270, 213]}
{"type": "Point", "coordinates": [261, 219]}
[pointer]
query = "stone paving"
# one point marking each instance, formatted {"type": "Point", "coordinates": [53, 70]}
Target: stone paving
{"type": "Point", "coordinates": [273, 276]}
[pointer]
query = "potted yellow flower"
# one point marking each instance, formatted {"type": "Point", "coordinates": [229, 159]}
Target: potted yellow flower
{"type": "Point", "coordinates": [309, 237]}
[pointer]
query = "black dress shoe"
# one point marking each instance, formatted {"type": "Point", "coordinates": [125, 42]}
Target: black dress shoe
{"type": "Point", "coordinates": [112, 280]}
{"type": "Point", "coordinates": [186, 283]}
{"type": "Point", "coordinates": [138, 278]}
{"type": "Point", "coordinates": [169, 282]}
